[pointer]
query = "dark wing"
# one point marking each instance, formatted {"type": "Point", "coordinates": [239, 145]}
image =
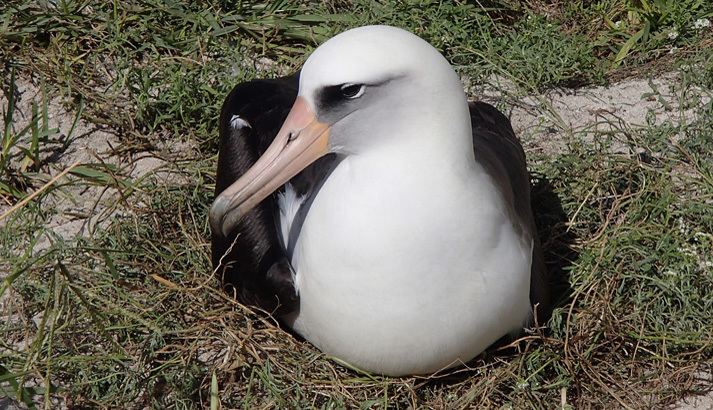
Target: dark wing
{"type": "Point", "coordinates": [256, 267]}
{"type": "Point", "coordinates": [499, 151]}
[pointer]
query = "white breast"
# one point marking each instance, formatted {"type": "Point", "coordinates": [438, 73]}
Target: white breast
{"type": "Point", "coordinates": [402, 273]}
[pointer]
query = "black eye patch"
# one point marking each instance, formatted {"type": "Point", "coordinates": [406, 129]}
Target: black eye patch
{"type": "Point", "coordinates": [337, 98]}
{"type": "Point", "coordinates": [334, 95]}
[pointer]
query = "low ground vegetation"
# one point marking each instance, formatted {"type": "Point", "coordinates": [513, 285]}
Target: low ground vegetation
{"type": "Point", "coordinates": [107, 160]}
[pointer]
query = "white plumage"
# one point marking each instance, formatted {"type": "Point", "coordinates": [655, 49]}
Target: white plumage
{"type": "Point", "coordinates": [407, 261]}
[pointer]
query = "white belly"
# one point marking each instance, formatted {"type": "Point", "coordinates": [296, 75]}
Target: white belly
{"type": "Point", "coordinates": [400, 284]}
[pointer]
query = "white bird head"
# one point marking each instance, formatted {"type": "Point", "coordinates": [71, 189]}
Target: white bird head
{"type": "Point", "coordinates": [361, 91]}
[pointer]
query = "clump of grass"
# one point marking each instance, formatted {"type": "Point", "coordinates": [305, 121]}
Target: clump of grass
{"type": "Point", "coordinates": [648, 25]}
{"type": "Point", "coordinates": [20, 155]}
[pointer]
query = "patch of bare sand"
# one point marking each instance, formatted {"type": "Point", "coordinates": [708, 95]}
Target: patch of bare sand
{"type": "Point", "coordinates": [699, 402]}
{"type": "Point", "coordinates": [545, 122]}
{"type": "Point", "coordinates": [695, 403]}
{"type": "Point", "coordinates": [78, 209]}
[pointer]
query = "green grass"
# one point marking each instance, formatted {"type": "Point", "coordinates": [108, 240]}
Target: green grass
{"type": "Point", "coordinates": [130, 314]}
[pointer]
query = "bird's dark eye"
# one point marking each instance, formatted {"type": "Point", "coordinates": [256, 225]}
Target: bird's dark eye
{"type": "Point", "coordinates": [352, 90]}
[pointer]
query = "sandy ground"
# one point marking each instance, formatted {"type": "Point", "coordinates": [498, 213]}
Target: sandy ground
{"type": "Point", "coordinates": [81, 209]}
{"type": "Point", "coordinates": [543, 122]}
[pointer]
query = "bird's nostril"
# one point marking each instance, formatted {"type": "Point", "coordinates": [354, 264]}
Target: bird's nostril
{"type": "Point", "coordinates": [292, 136]}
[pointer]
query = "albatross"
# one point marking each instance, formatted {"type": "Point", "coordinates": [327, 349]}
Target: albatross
{"type": "Point", "coordinates": [374, 210]}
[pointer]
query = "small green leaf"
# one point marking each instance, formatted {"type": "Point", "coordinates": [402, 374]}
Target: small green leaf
{"type": "Point", "coordinates": [626, 48]}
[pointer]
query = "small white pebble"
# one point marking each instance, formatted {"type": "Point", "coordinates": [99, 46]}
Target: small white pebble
{"type": "Point", "coordinates": [682, 228]}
